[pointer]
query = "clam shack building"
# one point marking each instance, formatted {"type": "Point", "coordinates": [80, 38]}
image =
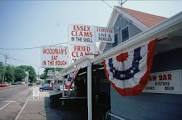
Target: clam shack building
{"type": "Point", "coordinates": [138, 77]}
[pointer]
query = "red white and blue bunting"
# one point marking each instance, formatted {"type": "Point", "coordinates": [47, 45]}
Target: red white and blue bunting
{"type": "Point", "coordinates": [70, 78]}
{"type": "Point", "coordinates": [128, 72]}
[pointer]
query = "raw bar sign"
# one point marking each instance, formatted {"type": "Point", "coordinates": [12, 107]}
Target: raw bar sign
{"type": "Point", "coordinates": [54, 57]}
{"type": "Point", "coordinates": [77, 51]}
{"type": "Point", "coordinates": [81, 34]}
{"type": "Point", "coordinates": [165, 82]}
{"type": "Point", "coordinates": [103, 34]}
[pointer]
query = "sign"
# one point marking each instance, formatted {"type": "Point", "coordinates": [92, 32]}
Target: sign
{"type": "Point", "coordinates": [77, 51]}
{"type": "Point", "coordinates": [165, 82]}
{"type": "Point", "coordinates": [81, 34]}
{"type": "Point", "coordinates": [58, 75]}
{"type": "Point", "coordinates": [86, 34]}
{"type": "Point", "coordinates": [54, 57]}
{"type": "Point", "coordinates": [103, 34]}
{"type": "Point", "coordinates": [82, 40]}
{"type": "Point", "coordinates": [50, 73]}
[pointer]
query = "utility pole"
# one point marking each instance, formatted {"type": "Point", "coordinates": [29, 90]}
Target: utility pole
{"type": "Point", "coordinates": [4, 71]}
{"type": "Point", "coordinates": [122, 2]}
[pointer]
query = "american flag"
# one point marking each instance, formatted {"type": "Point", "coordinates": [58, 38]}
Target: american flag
{"type": "Point", "coordinates": [70, 78]}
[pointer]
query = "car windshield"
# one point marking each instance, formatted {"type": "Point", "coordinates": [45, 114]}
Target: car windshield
{"type": "Point", "coordinates": [46, 85]}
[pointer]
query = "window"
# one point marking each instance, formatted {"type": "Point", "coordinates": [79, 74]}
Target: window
{"type": "Point", "coordinates": [125, 34]}
{"type": "Point", "coordinates": [115, 40]}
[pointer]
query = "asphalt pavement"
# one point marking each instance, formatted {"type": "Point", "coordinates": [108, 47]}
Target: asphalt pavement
{"type": "Point", "coordinates": [12, 99]}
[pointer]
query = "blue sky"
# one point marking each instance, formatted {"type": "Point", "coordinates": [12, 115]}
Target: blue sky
{"type": "Point", "coordinates": [36, 23]}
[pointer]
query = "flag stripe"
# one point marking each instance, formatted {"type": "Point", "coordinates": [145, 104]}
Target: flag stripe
{"type": "Point", "coordinates": [131, 80]}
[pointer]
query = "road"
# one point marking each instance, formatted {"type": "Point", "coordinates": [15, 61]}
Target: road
{"type": "Point", "coordinates": [11, 101]}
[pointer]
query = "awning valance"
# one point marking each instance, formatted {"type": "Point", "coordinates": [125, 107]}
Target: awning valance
{"type": "Point", "coordinates": [129, 70]}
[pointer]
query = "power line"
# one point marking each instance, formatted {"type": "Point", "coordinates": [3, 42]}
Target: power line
{"type": "Point", "coordinates": [122, 2]}
{"type": "Point", "coordinates": [29, 48]}
{"type": "Point", "coordinates": [107, 4]}
{"type": "Point", "coordinates": [15, 59]}
{"type": "Point", "coordinates": [10, 57]}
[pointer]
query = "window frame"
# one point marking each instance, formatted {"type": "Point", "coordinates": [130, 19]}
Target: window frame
{"type": "Point", "coordinates": [116, 35]}
{"type": "Point", "coordinates": [122, 36]}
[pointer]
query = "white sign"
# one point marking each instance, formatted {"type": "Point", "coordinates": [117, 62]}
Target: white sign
{"type": "Point", "coordinates": [58, 75]}
{"type": "Point", "coordinates": [87, 34]}
{"type": "Point", "coordinates": [50, 73]}
{"type": "Point", "coordinates": [103, 34]}
{"type": "Point", "coordinates": [77, 51]}
{"type": "Point", "coordinates": [165, 82]}
{"type": "Point", "coordinates": [54, 57]}
{"type": "Point", "coordinates": [81, 34]}
{"type": "Point", "coordinates": [82, 40]}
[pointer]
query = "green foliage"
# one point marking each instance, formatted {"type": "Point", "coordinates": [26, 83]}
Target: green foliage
{"type": "Point", "coordinates": [19, 74]}
{"type": "Point", "coordinates": [31, 71]}
{"type": "Point", "coordinates": [1, 71]}
{"type": "Point", "coordinates": [14, 74]}
{"type": "Point", "coordinates": [9, 74]}
{"type": "Point", "coordinates": [32, 74]}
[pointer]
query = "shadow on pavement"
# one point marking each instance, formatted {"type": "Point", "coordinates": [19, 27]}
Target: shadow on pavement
{"type": "Point", "coordinates": [69, 111]}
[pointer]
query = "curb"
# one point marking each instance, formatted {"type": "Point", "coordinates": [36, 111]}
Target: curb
{"type": "Point", "coordinates": [10, 86]}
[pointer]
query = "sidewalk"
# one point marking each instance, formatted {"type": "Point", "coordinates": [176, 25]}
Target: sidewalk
{"type": "Point", "coordinates": [39, 109]}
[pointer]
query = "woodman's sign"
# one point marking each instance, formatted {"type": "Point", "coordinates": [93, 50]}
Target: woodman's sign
{"type": "Point", "coordinates": [54, 57]}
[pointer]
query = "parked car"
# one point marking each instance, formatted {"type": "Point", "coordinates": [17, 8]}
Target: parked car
{"type": "Point", "coordinates": [45, 87]}
{"type": "Point", "coordinates": [30, 84]}
{"type": "Point", "coordinates": [4, 85]}
{"type": "Point", "coordinates": [16, 83]}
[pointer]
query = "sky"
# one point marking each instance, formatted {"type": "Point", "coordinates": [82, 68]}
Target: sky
{"type": "Point", "coordinates": [25, 24]}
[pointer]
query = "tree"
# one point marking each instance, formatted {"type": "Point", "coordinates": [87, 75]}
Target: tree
{"type": "Point", "coordinates": [19, 74]}
{"type": "Point", "coordinates": [32, 74]}
{"type": "Point", "coordinates": [9, 73]}
{"type": "Point", "coordinates": [31, 71]}
{"type": "Point", "coordinates": [1, 71]}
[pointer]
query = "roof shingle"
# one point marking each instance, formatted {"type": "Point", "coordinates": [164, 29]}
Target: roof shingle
{"type": "Point", "coordinates": [147, 19]}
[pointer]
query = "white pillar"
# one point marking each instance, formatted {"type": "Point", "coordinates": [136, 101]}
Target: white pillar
{"type": "Point", "coordinates": [63, 88]}
{"type": "Point", "coordinates": [89, 91]}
